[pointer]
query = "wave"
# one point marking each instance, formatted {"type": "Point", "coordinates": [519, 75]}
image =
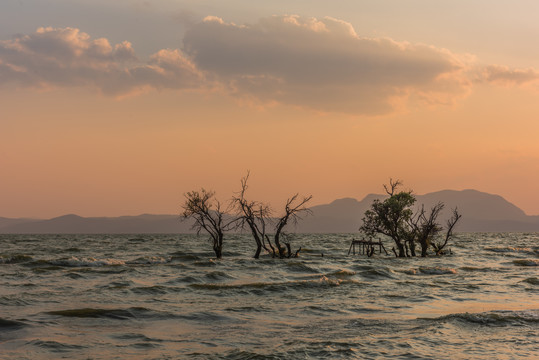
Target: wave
{"type": "Point", "coordinates": [85, 262]}
{"type": "Point", "coordinates": [184, 280]}
{"type": "Point", "coordinates": [513, 249]}
{"type": "Point", "coordinates": [342, 273]}
{"type": "Point", "coordinates": [377, 272]}
{"type": "Point", "coordinates": [532, 280]}
{"type": "Point", "coordinates": [297, 266]}
{"type": "Point", "coordinates": [323, 310]}
{"type": "Point", "coordinates": [153, 290]}
{"type": "Point", "coordinates": [431, 271]}
{"type": "Point", "coordinates": [203, 263]}
{"type": "Point", "coordinates": [56, 346]}
{"type": "Point", "coordinates": [498, 317]}
{"type": "Point", "coordinates": [218, 275]}
{"type": "Point", "coordinates": [117, 314]}
{"type": "Point", "coordinates": [74, 275]}
{"type": "Point", "coordinates": [478, 269]}
{"type": "Point", "coordinates": [15, 259]}
{"type": "Point", "coordinates": [11, 324]}
{"type": "Point", "coordinates": [14, 300]}
{"type": "Point", "coordinates": [150, 260]}
{"type": "Point", "coordinates": [526, 262]}
{"type": "Point", "coordinates": [248, 309]}
{"type": "Point", "coordinates": [121, 284]}
{"type": "Point", "coordinates": [310, 251]}
{"type": "Point", "coordinates": [135, 336]}
{"type": "Point", "coordinates": [323, 281]}
{"type": "Point", "coordinates": [74, 261]}
{"type": "Point", "coordinates": [180, 255]}
{"type": "Point", "coordinates": [208, 317]}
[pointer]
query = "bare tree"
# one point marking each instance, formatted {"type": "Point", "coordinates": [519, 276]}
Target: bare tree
{"type": "Point", "coordinates": [205, 209]}
{"type": "Point", "coordinates": [252, 214]}
{"type": "Point", "coordinates": [424, 228]}
{"type": "Point", "coordinates": [451, 222]}
{"type": "Point", "coordinates": [293, 208]}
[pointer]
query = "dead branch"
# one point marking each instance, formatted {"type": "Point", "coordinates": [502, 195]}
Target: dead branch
{"type": "Point", "coordinates": [393, 185]}
{"type": "Point", "coordinates": [449, 233]}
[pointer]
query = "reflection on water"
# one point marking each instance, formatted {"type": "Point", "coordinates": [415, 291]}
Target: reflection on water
{"type": "Point", "coordinates": [165, 296]}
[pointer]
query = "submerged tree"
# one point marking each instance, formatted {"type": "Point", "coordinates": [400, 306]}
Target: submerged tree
{"type": "Point", "coordinates": [391, 216]}
{"type": "Point", "coordinates": [424, 227]}
{"type": "Point", "coordinates": [293, 208]}
{"type": "Point", "coordinates": [394, 217]}
{"type": "Point", "coordinates": [205, 209]}
{"type": "Point", "coordinates": [252, 214]}
{"type": "Point", "coordinates": [257, 216]}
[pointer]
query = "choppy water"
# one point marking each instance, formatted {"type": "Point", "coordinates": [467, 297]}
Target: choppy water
{"type": "Point", "coordinates": [165, 297]}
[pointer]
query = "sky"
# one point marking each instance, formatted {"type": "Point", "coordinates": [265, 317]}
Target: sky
{"type": "Point", "coordinates": [119, 108]}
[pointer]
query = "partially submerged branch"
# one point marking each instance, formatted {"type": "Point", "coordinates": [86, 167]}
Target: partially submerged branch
{"type": "Point", "coordinates": [449, 231]}
{"type": "Point", "coordinates": [206, 211]}
{"type": "Point", "coordinates": [256, 215]}
{"type": "Point", "coordinates": [252, 214]}
{"type": "Point", "coordinates": [293, 209]}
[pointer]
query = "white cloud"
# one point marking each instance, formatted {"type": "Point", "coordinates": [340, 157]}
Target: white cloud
{"type": "Point", "coordinates": [322, 64]}
{"type": "Point", "coordinates": [53, 57]}
{"type": "Point", "coordinates": [503, 75]}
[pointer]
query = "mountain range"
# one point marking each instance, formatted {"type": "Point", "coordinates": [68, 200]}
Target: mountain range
{"type": "Point", "coordinates": [481, 212]}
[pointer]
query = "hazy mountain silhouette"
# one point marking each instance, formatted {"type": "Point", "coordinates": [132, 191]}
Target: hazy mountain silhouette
{"type": "Point", "coordinates": [481, 212]}
{"type": "Point", "coordinates": [5, 222]}
{"type": "Point", "coordinates": [74, 224]}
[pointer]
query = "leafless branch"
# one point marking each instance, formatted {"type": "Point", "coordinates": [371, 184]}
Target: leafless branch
{"type": "Point", "coordinates": [393, 185]}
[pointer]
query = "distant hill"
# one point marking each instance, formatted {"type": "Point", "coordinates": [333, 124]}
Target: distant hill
{"type": "Point", "coordinates": [481, 212]}
{"type": "Point", "coordinates": [74, 224]}
{"type": "Point", "coordinates": [7, 222]}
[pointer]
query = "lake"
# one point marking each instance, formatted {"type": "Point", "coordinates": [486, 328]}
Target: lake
{"type": "Point", "coordinates": [167, 297]}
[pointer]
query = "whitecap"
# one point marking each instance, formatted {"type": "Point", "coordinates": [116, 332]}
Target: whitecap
{"type": "Point", "coordinates": [86, 262]}
{"type": "Point", "coordinates": [342, 273]}
{"type": "Point", "coordinates": [150, 260]}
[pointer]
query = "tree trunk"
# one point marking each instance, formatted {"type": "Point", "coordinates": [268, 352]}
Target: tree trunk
{"type": "Point", "coordinates": [258, 250]}
{"type": "Point", "coordinates": [258, 243]}
{"type": "Point", "coordinates": [402, 252]}
{"type": "Point", "coordinates": [412, 248]}
{"type": "Point", "coordinates": [271, 246]}
{"type": "Point", "coordinates": [289, 250]}
{"type": "Point", "coordinates": [218, 246]}
{"type": "Point", "coordinates": [280, 249]}
{"type": "Point", "coordinates": [218, 251]}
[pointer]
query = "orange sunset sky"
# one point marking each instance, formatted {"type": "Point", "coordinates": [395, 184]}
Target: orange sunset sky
{"type": "Point", "coordinates": [120, 107]}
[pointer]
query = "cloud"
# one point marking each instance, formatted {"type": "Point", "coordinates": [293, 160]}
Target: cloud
{"type": "Point", "coordinates": [322, 64]}
{"type": "Point", "coordinates": [62, 57]}
{"type": "Point", "coordinates": [503, 75]}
